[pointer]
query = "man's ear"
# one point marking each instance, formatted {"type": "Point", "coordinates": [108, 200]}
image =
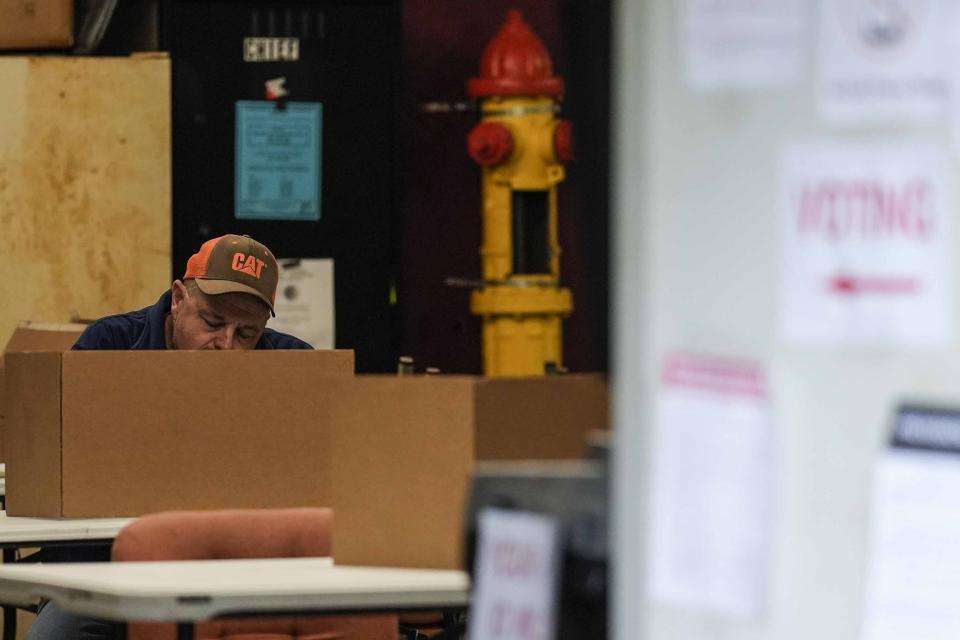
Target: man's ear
{"type": "Point", "coordinates": [179, 294]}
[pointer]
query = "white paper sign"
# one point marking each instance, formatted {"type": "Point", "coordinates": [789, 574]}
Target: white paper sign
{"type": "Point", "coordinates": [515, 590]}
{"type": "Point", "coordinates": [913, 570]}
{"type": "Point", "coordinates": [304, 303]}
{"type": "Point", "coordinates": [712, 484]}
{"type": "Point", "coordinates": [866, 246]}
{"type": "Point", "coordinates": [884, 61]}
{"type": "Point", "coordinates": [954, 76]}
{"type": "Point", "coordinates": [742, 44]}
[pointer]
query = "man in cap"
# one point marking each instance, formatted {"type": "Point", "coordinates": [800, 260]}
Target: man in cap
{"type": "Point", "coordinates": [223, 301]}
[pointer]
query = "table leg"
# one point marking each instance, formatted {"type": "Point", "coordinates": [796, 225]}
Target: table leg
{"type": "Point", "coordinates": [9, 613]}
{"type": "Point", "coordinates": [453, 625]}
{"type": "Point", "coordinates": [184, 631]}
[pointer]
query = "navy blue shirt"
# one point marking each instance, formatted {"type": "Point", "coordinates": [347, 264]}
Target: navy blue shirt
{"type": "Point", "coordinates": [145, 329]}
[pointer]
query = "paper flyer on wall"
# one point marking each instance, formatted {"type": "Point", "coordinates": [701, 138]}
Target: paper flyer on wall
{"type": "Point", "coordinates": [277, 163]}
{"type": "Point", "coordinates": [912, 582]}
{"type": "Point", "coordinates": [882, 62]}
{"type": "Point", "coordinates": [954, 54]}
{"type": "Point", "coordinates": [713, 486]}
{"type": "Point", "coordinates": [742, 44]}
{"type": "Point", "coordinates": [866, 246]}
{"type": "Point", "coordinates": [305, 301]}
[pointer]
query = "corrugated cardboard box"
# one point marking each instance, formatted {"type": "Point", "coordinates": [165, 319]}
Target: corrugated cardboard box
{"type": "Point", "coordinates": [539, 418]}
{"type": "Point", "coordinates": [92, 433]}
{"type": "Point", "coordinates": [34, 24]}
{"type": "Point", "coordinates": [403, 450]}
{"type": "Point", "coordinates": [124, 433]}
{"type": "Point", "coordinates": [36, 336]}
{"type": "Point", "coordinates": [43, 336]}
{"type": "Point", "coordinates": [401, 454]}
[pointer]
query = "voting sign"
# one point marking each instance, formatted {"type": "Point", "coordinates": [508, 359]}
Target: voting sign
{"type": "Point", "coordinates": [866, 254]}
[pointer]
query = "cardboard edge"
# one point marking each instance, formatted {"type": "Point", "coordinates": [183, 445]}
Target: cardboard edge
{"type": "Point", "coordinates": [363, 534]}
{"type": "Point", "coordinates": [569, 444]}
{"type": "Point", "coordinates": [34, 478]}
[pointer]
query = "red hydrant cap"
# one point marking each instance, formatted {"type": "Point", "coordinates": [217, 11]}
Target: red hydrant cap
{"type": "Point", "coordinates": [515, 63]}
{"type": "Point", "coordinates": [489, 143]}
{"type": "Point", "coordinates": [563, 141]}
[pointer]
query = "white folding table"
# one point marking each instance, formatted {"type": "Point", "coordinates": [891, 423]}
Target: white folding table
{"type": "Point", "coordinates": [189, 591]}
{"type": "Point", "coordinates": [23, 533]}
{"type": "Point", "coordinates": [20, 532]}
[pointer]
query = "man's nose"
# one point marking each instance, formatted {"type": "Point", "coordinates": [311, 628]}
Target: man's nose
{"type": "Point", "coordinates": [226, 338]}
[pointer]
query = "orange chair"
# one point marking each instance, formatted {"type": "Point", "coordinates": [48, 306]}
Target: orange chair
{"type": "Point", "coordinates": [245, 533]}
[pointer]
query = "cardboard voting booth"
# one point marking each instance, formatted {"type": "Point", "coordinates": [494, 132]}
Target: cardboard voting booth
{"type": "Point", "coordinates": [403, 450]}
{"type": "Point", "coordinates": [92, 433]}
{"type": "Point", "coordinates": [108, 433]}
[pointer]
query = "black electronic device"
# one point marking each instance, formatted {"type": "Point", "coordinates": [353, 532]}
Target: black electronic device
{"type": "Point", "coordinates": [575, 494]}
{"type": "Point", "coordinates": [342, 55]}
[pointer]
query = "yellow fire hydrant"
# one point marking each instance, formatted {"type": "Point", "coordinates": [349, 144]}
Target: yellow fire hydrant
{"type": "Point", "coordinates": [522, 146]}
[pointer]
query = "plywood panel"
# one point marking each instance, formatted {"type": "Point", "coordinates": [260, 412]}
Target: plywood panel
{"type": "Point", "coordinates": [84, 186]}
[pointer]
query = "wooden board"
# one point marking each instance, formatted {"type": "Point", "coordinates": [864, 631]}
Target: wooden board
{"type": "Point", "coordinates": [85, 218]}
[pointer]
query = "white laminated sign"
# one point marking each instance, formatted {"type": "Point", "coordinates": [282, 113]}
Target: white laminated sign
{"type": "Point", "coordinates": [305, 301]}
{"type": "Point", "coordinates": [913, 568]}
{"type": "Point", "coordinates": [742, 44]}
{"type": "Point", "coordinates": [884, 61]}
{"type": "Point", "coordinates": [866, 243]}
{"type": "Point", "coordinates": [712, 486]}
{"type": "Point", "coordinates": [516, 577]}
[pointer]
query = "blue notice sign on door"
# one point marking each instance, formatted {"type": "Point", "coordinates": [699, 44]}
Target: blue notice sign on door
{"type": "Point", "coordinates": [278, 160]}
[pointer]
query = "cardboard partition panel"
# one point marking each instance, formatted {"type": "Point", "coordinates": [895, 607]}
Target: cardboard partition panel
{"type": "Point", "coordinates": [545, 417]}
{"type": "Point", "coordinates": [124, 433]}
{"type": "Point", "coordinates": [35, 336]}
{"type": "Point", "coordinates": [404, 447]}
{"type": "Point", "coordinates": [403, 450]}
{"type": "Point", "coordinates": [121, 433]}
{"type": "Point", "coordinates": [43, 336]}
